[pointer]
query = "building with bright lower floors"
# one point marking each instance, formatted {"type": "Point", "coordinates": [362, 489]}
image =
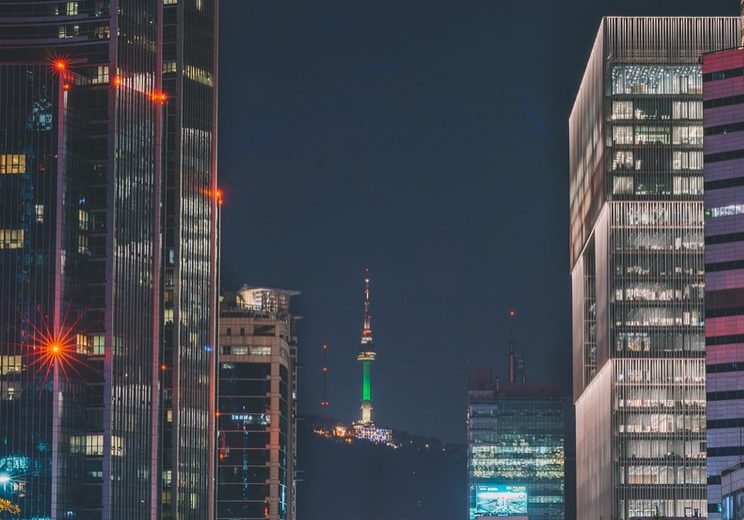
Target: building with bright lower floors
{"type": "Point", "coordinates": [516, 449]}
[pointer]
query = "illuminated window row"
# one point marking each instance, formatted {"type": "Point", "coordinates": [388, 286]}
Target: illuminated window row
{"type": "Point", "coordinates": [12, 164]}
{"type": "Point", "coordinates": [624, 110]}
{"type": "Point", "coordinates": [89, 345]}
{"type": "Point", "coordinates": [661, 214]}
{"type": "Point", "coordinates": [247, 350]}
{"type": "Point", "coordinates": [199, 75]}
{"type": "Point", "coordinates": [659, 291]}
{"type": "Point", "coordinates": [657, 79]}
{"type": "Point", "coordinates": [92, 445]}
{"type": "Point", "coordinates": [10, 365]}
{"type": "Point", "coordinates": [642, 135]}
{"type": "Point", "coordinates": [11, 238]}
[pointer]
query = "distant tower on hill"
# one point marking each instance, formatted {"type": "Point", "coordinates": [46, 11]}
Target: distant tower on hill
{"type": "Point", "coordinates": [366, 356]}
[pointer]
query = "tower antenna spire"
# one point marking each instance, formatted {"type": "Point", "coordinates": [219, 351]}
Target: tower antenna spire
{"type": "Point", "coordinates": [367, 354]}
{"type": "Point", "coordinates": [367, 328]}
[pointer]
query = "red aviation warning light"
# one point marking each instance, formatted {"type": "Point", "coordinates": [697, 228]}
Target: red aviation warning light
{"type": "Point", "coordinates": [159, 97]}
{"type": "Point", "coordinates": [60, 65]}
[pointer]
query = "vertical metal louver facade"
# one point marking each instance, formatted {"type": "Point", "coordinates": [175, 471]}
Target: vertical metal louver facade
{"type": "Point", "coordinates": [636, 247]}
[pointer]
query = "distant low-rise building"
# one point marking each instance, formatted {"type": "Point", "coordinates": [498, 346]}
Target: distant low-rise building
{"type": "Point", "coordinates": [516, 449]}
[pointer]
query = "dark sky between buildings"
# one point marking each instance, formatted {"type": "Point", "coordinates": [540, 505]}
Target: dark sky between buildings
{"type": "Point", "coordinates": [426, 141]}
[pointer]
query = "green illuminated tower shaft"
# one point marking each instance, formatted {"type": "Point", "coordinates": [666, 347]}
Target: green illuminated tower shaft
{"type": "Point", "coordinates": [366, 357]}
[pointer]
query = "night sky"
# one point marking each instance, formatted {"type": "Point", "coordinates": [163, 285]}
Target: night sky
{"type": "Point", "coordinates": [426, 141]}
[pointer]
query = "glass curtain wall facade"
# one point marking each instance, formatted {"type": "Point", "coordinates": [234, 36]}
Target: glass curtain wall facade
{"type": "Point", "coordinates": [723, 106]}
{"type": "Point", "coordinates": [636, 246]}
{"type": "Point", "coordinates": [257, 406]}
{"type": "Point", "coordinates": [516, 451]}
{"type": "Point", "coordinates": [81, 298]}
{"type": "Point", "coordinates": [79, 292]}
{"type": "Point", "coordinates": [189, 273]}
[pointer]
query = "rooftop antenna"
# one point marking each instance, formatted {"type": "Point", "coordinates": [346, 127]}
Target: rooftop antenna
{"type": "Point", "coordinates": [516, 360]}
{"type": "Point", "coordinates": [512, 355]}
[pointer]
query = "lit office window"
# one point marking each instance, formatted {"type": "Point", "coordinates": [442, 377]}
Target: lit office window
{"type": "Point", "coordinates": [687, 110]}
{"type": "Point", "coordinates": [687, 185]}
{"type": "Point", "coordinates": [11, 238]}
{"type": "Point", "coordinates": [651, 135]}
{"type": "Point", "coordinates": [622, 185]}
{"type": "Point", "coordinates": [622, 110]}
{"type": "Point", "coordinates": [623, 160]}
{"type": "Point", "coordinates": [622, 135]}
{"type": "Point", "coordinates": [687, 135]}
{"type": "Point", "coordinates": [687, 161]}
{"type": "Point", "coordinates": [12, 164]}
{"type": "Point", "coordinates": [10, 365]}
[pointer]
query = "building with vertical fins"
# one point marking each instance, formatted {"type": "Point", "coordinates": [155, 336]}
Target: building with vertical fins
{"type": "Point", "coordinates": [367, 356]}
{"type": "Point", "coordinates": [257, 406]}
{"type": "Point", "coordinates": [723, 121]}
{"type": "Point", "coordinates": [637, 267]}
{"type": "Point", "coordinates": [85, 388]}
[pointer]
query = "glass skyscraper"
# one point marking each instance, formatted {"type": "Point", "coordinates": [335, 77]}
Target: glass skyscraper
{"type": "Point", "coordinates": [83, 375]}
{"type": "Point", "coordinates": [189, 263]}
{"type": "Point", "coordinates": [636, 246]}
{"type": "Point", "coordinates": [723, 107]}
{"type": "Point", "coordinates": [516, 449]}
{"type": "Point", "coordinates": [257, 407]}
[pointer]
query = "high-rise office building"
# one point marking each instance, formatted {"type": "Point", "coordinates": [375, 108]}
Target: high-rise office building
{"type": "Point", "coordinates": [82, 124]}
{"type": "Point", "coordinates": [257, 408]}
{"type": "Point", "coordinates": [636, 247]}
{"type": "Point", "coordinates": [723, 109]}
{"type": "Point", "coordinates": [516, 449]}
{"type": "Point", "coordinates": [189, 54]}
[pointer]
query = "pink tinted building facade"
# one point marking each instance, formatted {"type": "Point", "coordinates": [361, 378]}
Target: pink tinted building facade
{"type": "Point", "coordinates": [723, 105]}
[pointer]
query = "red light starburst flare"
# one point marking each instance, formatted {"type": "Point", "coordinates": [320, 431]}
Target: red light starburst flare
{"type": "Point", "coordinates": [50, 349]}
